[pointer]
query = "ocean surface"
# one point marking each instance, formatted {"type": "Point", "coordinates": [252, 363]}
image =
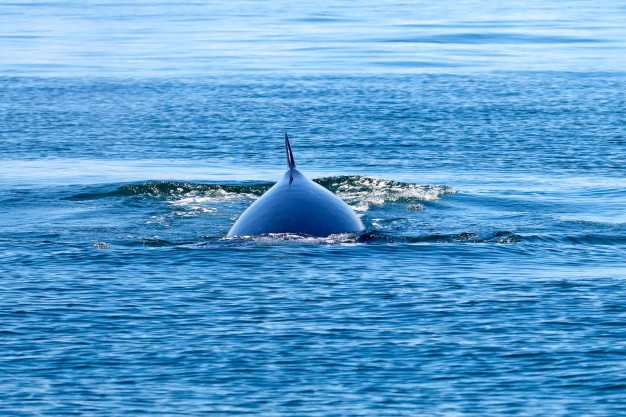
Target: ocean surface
{"type": "Point", "coordinates": [483, 146]}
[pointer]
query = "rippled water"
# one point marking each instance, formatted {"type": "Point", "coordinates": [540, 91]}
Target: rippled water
{"type": "Point", "coordinates": [483, 145]}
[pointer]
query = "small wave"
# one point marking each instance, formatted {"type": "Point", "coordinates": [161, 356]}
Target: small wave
{"type": "Point", "coordinates": [583, 239]}
{"type": "Point", "coordinates": [363, 192]}
{"type": "Point", "coordinates": [370, 237]}
{"type": "Point", "coordinates": [293, 237]}
{"type": "Point", "coordinates": [360, 192]}
{"type": "Point", "coordinates": [320, 20]}
{"type": "Point", "coordinates": [194, 203]}
{"type": "Point", "coordinates": [493, 38]}
{"type": "Point", "coordinates": [175, 189]}
{"type": "Point", "coordinates": [502, 237]}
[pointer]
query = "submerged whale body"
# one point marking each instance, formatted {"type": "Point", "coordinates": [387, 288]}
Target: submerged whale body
{"type": "Point", "coordinates": [297, 205]}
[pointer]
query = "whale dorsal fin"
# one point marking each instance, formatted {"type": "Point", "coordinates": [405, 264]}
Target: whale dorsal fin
{"type": "Point", "coordinates": [290, 161]}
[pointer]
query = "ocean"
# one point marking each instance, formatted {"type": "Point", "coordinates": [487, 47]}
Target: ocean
{"type": "Point", "coordinates": [483, 146]}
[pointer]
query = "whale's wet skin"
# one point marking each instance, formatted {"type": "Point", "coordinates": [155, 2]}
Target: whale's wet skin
{"type": "Point", "coordinates": [482, 148]}
{"type": "Point", "coordinates": [297, 205]}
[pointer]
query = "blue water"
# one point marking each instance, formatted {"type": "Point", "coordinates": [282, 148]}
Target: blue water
{"type": "Point", "coordinates": [483, 145]}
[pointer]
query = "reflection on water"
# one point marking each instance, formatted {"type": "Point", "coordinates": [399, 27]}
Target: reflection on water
{"type": "Point", "coordinates": [167, 38]}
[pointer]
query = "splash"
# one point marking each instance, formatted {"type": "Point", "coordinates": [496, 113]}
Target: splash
{"type": "Point", "coordinates": [277, 238]}
{"type": "Point", "coordinates": [364, 192]}
{"type": "Point", "coordinates": [360, 192]}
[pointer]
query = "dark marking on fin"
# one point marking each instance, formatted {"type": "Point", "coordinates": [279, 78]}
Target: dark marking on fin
{"type": "Point", "coordinates": [290, 161]}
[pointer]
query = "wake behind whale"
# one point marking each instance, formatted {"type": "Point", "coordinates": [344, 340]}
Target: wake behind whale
{"type": "Point", "coordinates": [297, 205]}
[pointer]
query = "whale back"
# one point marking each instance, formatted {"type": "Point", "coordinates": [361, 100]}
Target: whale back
{"type": "Point", "coordinates": [297, 205]}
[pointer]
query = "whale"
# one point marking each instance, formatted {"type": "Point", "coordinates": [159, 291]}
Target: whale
{"type": "Point", "coordinates": [296, 205]}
